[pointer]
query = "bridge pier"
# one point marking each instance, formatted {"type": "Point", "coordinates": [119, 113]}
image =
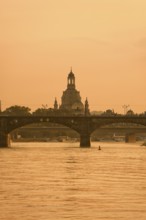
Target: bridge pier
{"type": "Point", "coordinates": [85, 140]}
{"type": "Point", "coordinates": [130, 138]}
{"type": "Point", "coordinates": [4, 140]}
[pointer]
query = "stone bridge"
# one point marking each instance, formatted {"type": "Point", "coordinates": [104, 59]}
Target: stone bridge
{"type": "Point", "coordinates": [84, 125]}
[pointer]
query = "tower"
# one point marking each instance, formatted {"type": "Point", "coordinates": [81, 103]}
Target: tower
{"type": "Point", "coordinates": [87, 111]}
{"type": "Point", "coordinates": [71, 80]}
{"type": "Point", "coordinates": [71, 99]}
{"type": "Point", "coordinates": [55, 104]}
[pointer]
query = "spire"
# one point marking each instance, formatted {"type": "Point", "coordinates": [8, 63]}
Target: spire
{"type": "Point", "coordinates": [87, 111]}
{"type": "Point", "coordinates": [55, 104]}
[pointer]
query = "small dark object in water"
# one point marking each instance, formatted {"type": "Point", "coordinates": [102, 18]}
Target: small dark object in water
{"type": "Point", "coordinates": [99, 148]}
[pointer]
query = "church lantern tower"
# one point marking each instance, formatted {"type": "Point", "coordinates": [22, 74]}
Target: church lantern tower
{"type": "Point", "coordinates": [71, 80]}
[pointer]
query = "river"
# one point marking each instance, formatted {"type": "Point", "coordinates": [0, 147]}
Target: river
{"type": "Point", "coordinates": [58, 181]}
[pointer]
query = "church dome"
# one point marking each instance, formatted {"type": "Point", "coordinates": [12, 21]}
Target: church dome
{"type": "Point", "coordinates": [77, 105]}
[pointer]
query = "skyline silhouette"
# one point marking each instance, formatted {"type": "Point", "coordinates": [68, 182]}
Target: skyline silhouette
{"type": "Point", "coordinates": [104, 42]}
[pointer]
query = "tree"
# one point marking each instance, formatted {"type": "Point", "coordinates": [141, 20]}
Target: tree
{"type": "Point", "coordinates": [43, 111]}
{"type": "Point", "coordinates": [17, 110]}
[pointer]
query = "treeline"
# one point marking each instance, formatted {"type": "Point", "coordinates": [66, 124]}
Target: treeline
{"type": "Point", "coordinates": [17, 110]}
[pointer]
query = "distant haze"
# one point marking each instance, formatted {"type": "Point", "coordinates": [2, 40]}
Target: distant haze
{"type": "Point", "coordinates": [103, 40]}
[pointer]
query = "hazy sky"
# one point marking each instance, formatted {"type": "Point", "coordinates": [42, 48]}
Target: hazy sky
{"type": "Point", "coordinates": [103, 40]}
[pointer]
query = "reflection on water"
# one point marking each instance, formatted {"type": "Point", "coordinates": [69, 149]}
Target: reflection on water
{"type": "Point", "coordinates": [62, 181]}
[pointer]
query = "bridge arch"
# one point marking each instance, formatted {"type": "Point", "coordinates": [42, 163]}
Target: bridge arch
{"type": "Point", "coordinates": [12, 123]}
{"type": "Point", "coordinates": [44, 131]}
{"type": "Point", "coordinates": [127, 123]}
{"type": "Point", "coordinates": [17, 122]}
{"type": "Point", "coordinates": [118, 132]}
{"type": "Point", "coordinates": [98, 122]}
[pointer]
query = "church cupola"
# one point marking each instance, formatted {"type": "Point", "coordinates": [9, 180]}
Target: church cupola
{"type": "Point", "coordinates": [71, 80]}
{"type": "Point", "coordinates": [55, 104]}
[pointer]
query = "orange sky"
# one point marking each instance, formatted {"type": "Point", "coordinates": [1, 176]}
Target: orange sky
{"type": "Point", "coordinates": [104, 41]}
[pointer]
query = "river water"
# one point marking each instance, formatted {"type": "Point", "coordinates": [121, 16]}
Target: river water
{"type": "Point", "coordinates": [58, 181]}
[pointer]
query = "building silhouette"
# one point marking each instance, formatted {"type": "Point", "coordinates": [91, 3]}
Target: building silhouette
{"type": "Point", "coordinates": [71, 101]}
